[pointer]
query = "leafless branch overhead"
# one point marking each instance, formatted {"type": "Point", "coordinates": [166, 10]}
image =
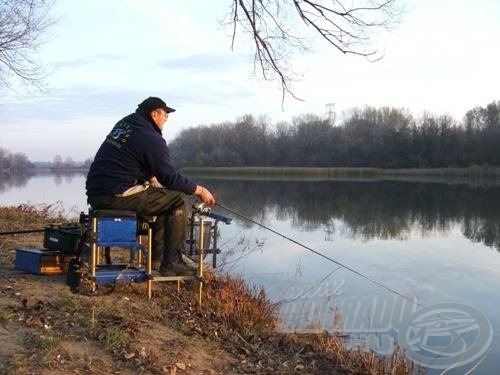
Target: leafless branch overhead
{"type": "Point", "coordinates": [22, 23]}
{"type": "Point", "coordinates": [275, 29]}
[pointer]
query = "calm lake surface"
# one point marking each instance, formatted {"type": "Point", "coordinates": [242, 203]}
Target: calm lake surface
{"type": "Point", "coordinates": [436, 243]}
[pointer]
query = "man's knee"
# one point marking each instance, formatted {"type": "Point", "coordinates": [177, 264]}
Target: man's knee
{"type": "Point", "coordinates": [181, 209]}
{"type": "Point", "coordinates": [166, 201]}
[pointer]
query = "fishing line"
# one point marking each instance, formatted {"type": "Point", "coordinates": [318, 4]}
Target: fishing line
{"type": "Point", "coordinates": [370, 279]}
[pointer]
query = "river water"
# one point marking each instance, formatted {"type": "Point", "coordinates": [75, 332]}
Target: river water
{"type": "Point", "coordinates": [423, 258]}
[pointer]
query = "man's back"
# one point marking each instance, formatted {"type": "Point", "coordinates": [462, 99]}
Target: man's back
{"type": "Point", "coordinates": [133, 152]}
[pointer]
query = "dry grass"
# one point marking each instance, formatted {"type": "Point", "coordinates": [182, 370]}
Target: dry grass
{"type": "Point", "coordinates": [357, 361]}
{"type": "Point", "coordinates": [27, 216]}
{"type": "Point", "coordinates": [244, 308]}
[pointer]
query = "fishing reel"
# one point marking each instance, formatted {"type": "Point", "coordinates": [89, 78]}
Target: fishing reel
{"type": "Point", "coordinates": [203, 210]}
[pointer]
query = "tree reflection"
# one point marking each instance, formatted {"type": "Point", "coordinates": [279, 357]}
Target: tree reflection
{"type": "Point", "coordinates": [17, 180]}
{"type": "Point", "coordinates": [13, 180]}
{"type": "Point", "coordinates": [368, 209]}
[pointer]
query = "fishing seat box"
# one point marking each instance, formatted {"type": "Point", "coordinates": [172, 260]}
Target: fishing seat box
{"type": "Point", "coordinates": [38, 261]}
{"type": "Point", "coordinates": [63, 238]}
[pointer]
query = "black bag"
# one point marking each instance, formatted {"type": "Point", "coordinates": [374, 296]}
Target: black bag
{"type": "Point", "coordinates": [63, 238]}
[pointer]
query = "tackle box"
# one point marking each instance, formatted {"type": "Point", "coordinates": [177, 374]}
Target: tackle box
{"type": "Point", "coordinates": [63, 238]}
{"type": "Point", "coordinates": [38, 261]}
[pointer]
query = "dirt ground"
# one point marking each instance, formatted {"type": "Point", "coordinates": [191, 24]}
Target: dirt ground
{"type": "Point", "coordinates": [43, 328]}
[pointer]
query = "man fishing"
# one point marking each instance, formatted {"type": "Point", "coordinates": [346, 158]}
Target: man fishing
{"type": "Point", "coordinates": [133, 170]}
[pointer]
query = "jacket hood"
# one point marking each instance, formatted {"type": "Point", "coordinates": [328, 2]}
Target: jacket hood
{"type": "Point", "coordinates": [147, 117]}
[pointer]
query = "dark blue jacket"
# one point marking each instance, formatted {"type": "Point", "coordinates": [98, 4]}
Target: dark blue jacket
{"type": "Point", "coordinates": [133, 152]}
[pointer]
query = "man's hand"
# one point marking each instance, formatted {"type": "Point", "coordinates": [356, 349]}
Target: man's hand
{"type": "Point", "coordinates": [204, 194]}
{"type": "Point", "coordinates": [155, 183]}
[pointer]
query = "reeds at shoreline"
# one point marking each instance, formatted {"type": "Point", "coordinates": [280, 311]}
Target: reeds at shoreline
{"type": "Point", "coordinates": [475, 172]}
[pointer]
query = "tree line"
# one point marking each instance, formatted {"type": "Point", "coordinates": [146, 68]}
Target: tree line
{"type": "Point", "coordinates": [367, 137]}
{"type": "Point", "coordinates": [58, 164]}
{"type": "Point", "coordinates": [17, 162]}
{"type": "Point", "coordinates": [13, 161]}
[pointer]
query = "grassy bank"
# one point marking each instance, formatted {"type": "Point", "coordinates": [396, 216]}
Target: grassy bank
{"type": "Point", "coordinates": [46, 329]}
{"type": "Point", "coordinates": [343, 173]}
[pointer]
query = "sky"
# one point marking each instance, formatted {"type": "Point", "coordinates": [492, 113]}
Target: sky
{"type": "Point", "coordinates": [105, 56]}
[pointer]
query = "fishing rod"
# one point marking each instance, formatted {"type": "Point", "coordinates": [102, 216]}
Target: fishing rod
{"type": "Point", "coordinates": [370, 279]}
{"type": "Point", "coordinates": [22, 231]}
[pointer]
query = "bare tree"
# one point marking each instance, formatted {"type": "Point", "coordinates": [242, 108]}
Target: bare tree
{"type": "Point", "coordinates": [22, 22]}
{"type": "Point", "coordinates": [274, 26]}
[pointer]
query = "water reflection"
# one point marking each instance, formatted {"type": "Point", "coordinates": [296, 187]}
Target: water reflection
{"type": "Point", "coordinates": [369, 209]}
{"type": "Point", "coordinates": [66, 177]}
{"type": "Point", "coordinates": [9, 181]}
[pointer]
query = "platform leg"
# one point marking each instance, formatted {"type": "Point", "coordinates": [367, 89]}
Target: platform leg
{"type": "Point", "coordinates": [200, 264]}
{"type": "Point", "coordinates": [214, 254]}
{"type": "Point", "coordinates": [149, 262]}
{"type": "Point", "coordinates": [93, 253]}
{"type": "Point", "coordinates": [139, 254]}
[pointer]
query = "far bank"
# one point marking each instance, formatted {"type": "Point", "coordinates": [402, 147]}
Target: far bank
{"type": "Point", "coordinates": [475, 172]}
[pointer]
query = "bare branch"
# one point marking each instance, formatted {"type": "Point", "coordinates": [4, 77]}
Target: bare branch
{"type": "Point", "coordinates": [272, 25]}
{"type": "Point", "coordinates": [235, 21]}
{"type": "Point", "coordinates": [22, 23]}
{"type": "Point", "coordinates": [265, 54]}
